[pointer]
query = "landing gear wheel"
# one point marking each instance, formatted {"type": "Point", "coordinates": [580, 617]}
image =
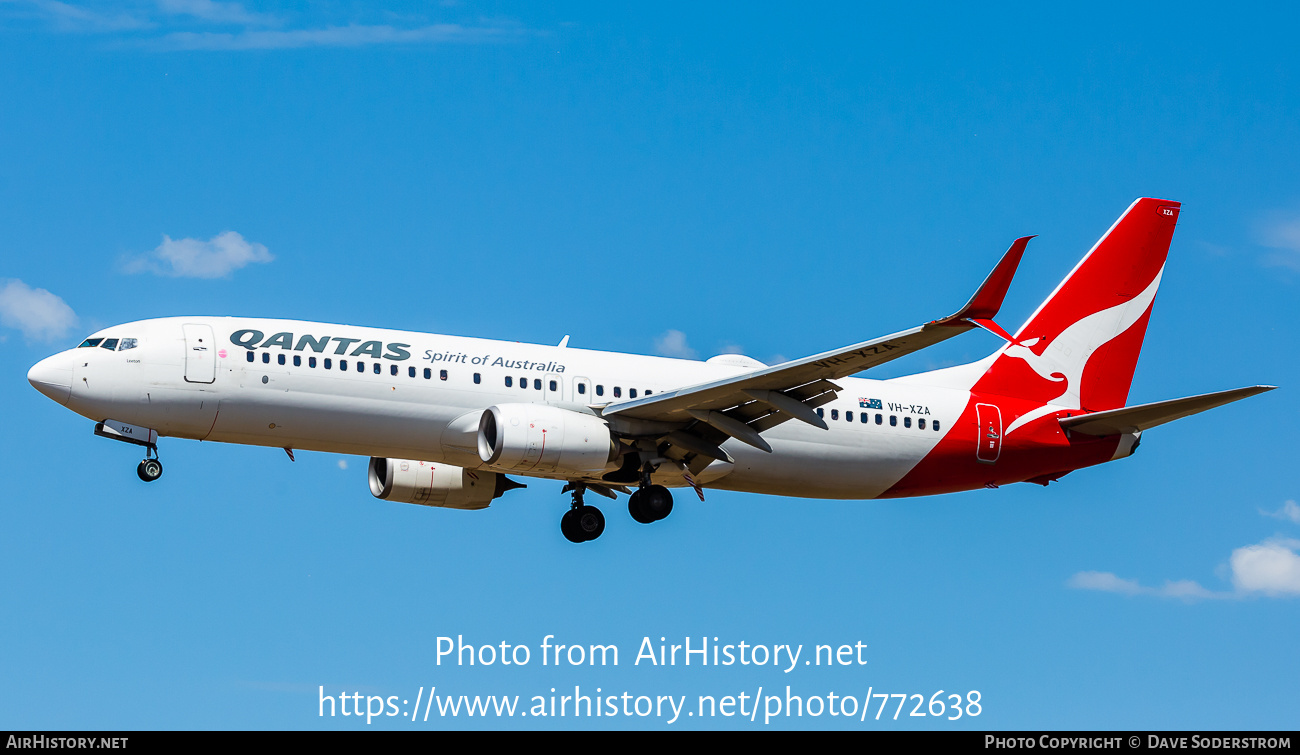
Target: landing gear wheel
{"type": "Point", "coordinates": [582, 524]}
{"type": "Point", "coordinates": [149, 470]}
{"type": "Point", "coordinates": [590, 522]}
{"type": "Point", "coordinates": [650, 504]}
{"type": "Point", "coordinates": [636, 509]}
{"type": "Point", "coordinates": [569, 527]}
{"type": "Point", "coordinates": [656, 502]}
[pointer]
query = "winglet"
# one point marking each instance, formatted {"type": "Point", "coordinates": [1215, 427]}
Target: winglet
{"type": "Point", "coordinates": [984, 305]}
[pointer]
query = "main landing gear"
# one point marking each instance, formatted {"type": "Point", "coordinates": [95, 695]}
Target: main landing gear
{"type": "Point", "coordinates": [581, 522]}
{"type": "Point", "coordinates": [649, 503]}
{"type": "Point", "coordinates": [150, 469]}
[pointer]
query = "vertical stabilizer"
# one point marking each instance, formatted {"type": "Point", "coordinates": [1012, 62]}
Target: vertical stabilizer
{"type": "Point", "coordinates": [1080, 348]}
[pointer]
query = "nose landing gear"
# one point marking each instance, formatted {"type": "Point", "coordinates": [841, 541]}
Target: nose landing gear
{"type": "Point", "coordinates": [151, 468]}
{"type": "Point", "coordinates": [581, 522]}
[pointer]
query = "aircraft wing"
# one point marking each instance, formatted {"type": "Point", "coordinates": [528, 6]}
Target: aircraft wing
{"type": "Point", "coordinates": [744, 405]}
{"type": "Point", "coordinates": [1146, 416]}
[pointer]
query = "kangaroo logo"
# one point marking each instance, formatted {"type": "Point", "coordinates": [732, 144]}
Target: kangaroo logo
{"type": "Point", "coordinates": [1062, 360]}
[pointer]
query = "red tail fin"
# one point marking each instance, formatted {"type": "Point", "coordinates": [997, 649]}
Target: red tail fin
{"type": "Point", "coordinates": [1080, 348]}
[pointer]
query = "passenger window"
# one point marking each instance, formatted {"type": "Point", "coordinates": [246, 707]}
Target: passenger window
{"type": "Point", "coordinates": [343, 365]}
{"type": "Point", "coordinates": [110, 344]}
{"type": "Point", "coordinates": [392, 370]}
{"type": "Point", "coordinates": [361, 366]}
{"type": "Point", "coordinates": [835, 413]}
{"type": "Point", "coordinates": [90, 343]}
{"type": "Point", "coordinates": [821, 413]}
{"type": "Point", "coordinates": [936, 425]}
{"type": "Point", "coordinates": [582, 389]}
{"type": "Point", "coordinates": [410, 371]}
{"type": "Point", "coordinates": [907, 421]}
{"type": "Point", "coordinates": [920, 424]}
{"type": "Point", "coordinates": [537, 384]}
{"type": "Point", "coordinates": [329, 364]}
{"type": "Point", "coordinates": [510, 382]}
{"type": "Point", "coordinates": [297, 361]}
{"type": "Point", "coordinates": [266, 357]}
{"type": "Point", "coordinates": [848, 416]}
{"type": "Point", "coordinates": [478, 378]}
{"type": "Point", "coordinates": [893, 421]}
{"type": "Point", "coordinates": [864, 417]}
{"type": "Point", "coordinates": [880, 418]}
{"type": "Point", "coordinates": [554, 387]}
{"type": "Point", "coordinates": [523, 383]}
{"type": "Point", "coordinates": [618, 392]}
{"type": "Point", "coordinates": [600, 390]}
{"type": "Point", "coordinates": [379, 368]}
{"type": "Point", "coordinates": [631, 393]}
{"type": "Point", "coordinates": [442, 374]}
{"type": "Point", "coordinates": [250, 355]}
{"type": "Point", "coordinates": [648, 392]}
{"type": "Point", "coordinates": [428, 373]}
{"type": "Point", "coordinates": [127, 343]}
{"type": "Point", "coordinates": [280, 358]}
{"type": "Point", "coordinates": [311, 362]}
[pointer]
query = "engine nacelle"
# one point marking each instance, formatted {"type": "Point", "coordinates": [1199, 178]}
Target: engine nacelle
{"type": "Point", "coordinates": [541, 439]}
{"type": "Point", "coordinates": [431, 484]}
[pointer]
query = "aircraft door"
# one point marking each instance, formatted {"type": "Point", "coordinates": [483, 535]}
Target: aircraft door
{"type": "Point", "coordinates": [582, 391]}
{"type": "Point", "coordinates": [553, 387]}
{"type": "Point", "coordinates": [989, 441]}
{"type": "Point", "coordinates": [200, 354]}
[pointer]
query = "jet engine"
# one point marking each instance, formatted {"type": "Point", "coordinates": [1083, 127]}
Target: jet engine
{"type": "Point", "coordinates": [430, 484]}
{"type": "Point", "coordinates": [540, 439]}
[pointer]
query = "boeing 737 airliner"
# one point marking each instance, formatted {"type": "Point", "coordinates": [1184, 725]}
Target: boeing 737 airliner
{"type": "Point", "coordinates": [445, 419]}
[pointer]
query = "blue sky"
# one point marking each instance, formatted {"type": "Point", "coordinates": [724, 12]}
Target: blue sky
{"type": "Point", "coordinates": [667, 177]}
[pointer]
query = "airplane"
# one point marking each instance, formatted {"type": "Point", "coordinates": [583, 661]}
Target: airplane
{"type": "Point", "coordinates": [446, 419]}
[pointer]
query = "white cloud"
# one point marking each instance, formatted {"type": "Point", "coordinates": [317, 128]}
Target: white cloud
{"type": "Point", "coordinates": [77, 18]}
{"type": "Point", "coordinates": [216, 12]}
{"type": "Point", "coordinates": [194, 258]}
{"type": "Point", "coordinates": [1271, 567]}
{"type": "Point", "coordinates": [220, 25]}
{"type": "Point", "coordinates": [1290, 511]}
{"type": "Point", "coordinates": [673, 344]}
{"type": "Point", "coordinates": [333, 36]}
{"type": "Point", "coordinates": [39, 314]}
{"type": "Point", "coordinates": [343, 463]}
{"type": "Point", "coordinates": [1105, 582]}
{"type": "Point", "coordinates": [1185, 589]}
{"type": "Point", "coordinates": [1281, 231]}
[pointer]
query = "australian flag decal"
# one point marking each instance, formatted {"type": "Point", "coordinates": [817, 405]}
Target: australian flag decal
{"type": "Point", "coordinates": [869, 403]}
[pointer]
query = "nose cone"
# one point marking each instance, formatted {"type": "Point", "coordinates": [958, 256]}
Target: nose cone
{"type": "Point", "coordinates": [53, 377]}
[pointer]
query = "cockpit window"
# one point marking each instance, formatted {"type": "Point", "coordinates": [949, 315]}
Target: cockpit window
{"type": "Point", "coordinates": [90, 343]}
{"type": "Point", "coordinates": [110, 344]}
{"type": "Point", "coordinates": [127, 343]}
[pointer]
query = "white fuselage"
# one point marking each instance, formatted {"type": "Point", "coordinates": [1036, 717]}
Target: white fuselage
{"type": "Point", "coordinates": [419, 396]}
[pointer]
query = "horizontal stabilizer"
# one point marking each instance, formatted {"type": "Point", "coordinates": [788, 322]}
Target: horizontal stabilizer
{"type": "Point", "coordinates": [1146, 416]}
